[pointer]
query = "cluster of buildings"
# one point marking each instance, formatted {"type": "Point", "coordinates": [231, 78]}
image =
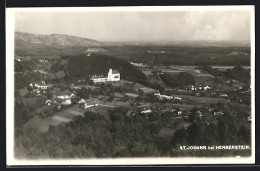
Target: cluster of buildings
{"type": "Point", "coordinates": [142, 109]}
{"type": "Point", "coordinates": [113, 75]}
{"type": "Point", "coordinates": [21, 58]}
{"type": "Point", "coordinates": [88, 103]}
{"type": "Point", "coordinates": [193, 88]}
{"type": "Point", "coordinates": [39, 88]}
{"type": "Point", "coordinates": [162, 96]}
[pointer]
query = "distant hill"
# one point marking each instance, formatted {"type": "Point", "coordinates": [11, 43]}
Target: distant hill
{"type": "Point", "coordinates": [52, 46]}
{"type": "Point", "coordinates": [55, 39]}
{"type": "Point", "coordinates": [96, 64]}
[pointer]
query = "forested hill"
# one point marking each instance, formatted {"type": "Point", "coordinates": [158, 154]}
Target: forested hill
{"type": "Point", "coordinates": [96, 64]}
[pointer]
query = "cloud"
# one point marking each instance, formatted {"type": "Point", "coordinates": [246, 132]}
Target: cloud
{"type": "Point", "coordinates": [147, 26]}
{"type": "Point", "coordinates": [218, 25]}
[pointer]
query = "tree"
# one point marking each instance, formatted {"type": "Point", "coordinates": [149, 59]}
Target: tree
{"type": "Point", "coordinates": [195, 132]}
{"type": "Point", "coordinates": [179, 137]}
{"type": "Point", "coordinates": [179, 80]}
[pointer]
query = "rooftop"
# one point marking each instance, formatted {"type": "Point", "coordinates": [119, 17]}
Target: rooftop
{"type": "Point", "coordinates": [115, 72]}
{"type": "Point", "coordinates": [98, 76]}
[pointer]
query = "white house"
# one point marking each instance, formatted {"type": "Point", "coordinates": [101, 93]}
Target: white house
{"type": "Point", "coordinates": [41, 85]}
{"type": "Point", "coordinates": [146, 111]}
{"type": "Point", "coordinates": [218, 113]}
{"type": "Point", "coordinates": [64, 98]}
{"type": "Point", "coordinates": [113, 75]}
{"type": "Point", "coordinates": [223, 95]}
{"type": "Point", "coordinates": [177, 98]}
{"type": "Point", "coordinates": [162, 96]}
{"type": "Point", "coordinates": [138, 64]}
{"type": "Point", "coordinates": [64, 95]}
{"type": "Point", "coordinates": [206, 87]}
{"type": "Point", "coordinates": [90, 103]}
{"type": "Point", "coordinates": [48, 102]}
{"type": "Point", "coordinates": [82, 101]}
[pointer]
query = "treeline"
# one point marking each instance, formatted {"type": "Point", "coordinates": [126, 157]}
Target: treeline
{"type": "Point", "coordinates": [23, 66]}
{"type": "Point", "coordinates": [178, 80]}
{"type": "Point", "coordinates": [225, 132]}
{"type": "Point", "coordinates": [238, 73]}
{"type": "Point", "coordinates": [118, 135]}
{"type": "Point", "coordinates": [190, 55]}
{"type": "Point", "coordinates": [22, 80]}
{"type": "Point", "coordinates": [82, 66]}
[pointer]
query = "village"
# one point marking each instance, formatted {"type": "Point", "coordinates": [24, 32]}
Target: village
{"type": "Point", "coordinates": [64, 101]}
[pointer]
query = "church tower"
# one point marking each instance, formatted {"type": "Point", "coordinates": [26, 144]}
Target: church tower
{"type": "Point", "coordinates": [109, 75]}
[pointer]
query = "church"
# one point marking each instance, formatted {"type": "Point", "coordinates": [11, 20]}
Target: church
{"type": "Point", "coordinates": [113, 75]}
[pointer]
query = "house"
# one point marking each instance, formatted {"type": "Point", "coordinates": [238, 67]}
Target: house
{"type": "Point", "coordinates": [90, 103]}
{"type": "Point", "coordinates": [192, 87]}
{"type": "Point", "coordinates": [43, 61]}
{"type": "Point", "coordinates": [138, 64]}
{"type": "Point", "coordinates": [223, 95]}
{"type": "Point", "coordinates": [48, 102]}
{"type": "Point", "coordinates": [177, 98]}
{"type": "Point", "coordinates": [82, 101]}
{"type": "Point", "coordinates": [179, 111]}
{"type": "Point", "coordinates": [199, 113]}
{"type": "Point", "coordinates": [206, 87]}
{"type": "Point", "coordinates": [40, 85]}
{"type": "Point", "coordinates": [113, 75]}
{"type": "Point", "coordinates": [146, 111]}
{"type": "Point", "coordinates": [18, 59]}
{"type": "Point", "coordinates": [63, 101]}
{"type": "Point", "coordinates": [218, 113]}
{"type": "Point", "coordinates": [64, 98]}
{"type": "Point", "coordinates": [161, 96]}
{"type": "Point", "coordinates": [64, 95]}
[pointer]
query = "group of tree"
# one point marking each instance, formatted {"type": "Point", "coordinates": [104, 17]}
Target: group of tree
{"type": "Point", "coordinates": [178, 80]}
{"type": "Point", "coordinates": [23, 66]}
{"type": "Point", "coordinates": [225, 131]}
{"type": "Point", "coordinates": [238, 73]}
{"type": "Point", "coordinates": [118, 135]}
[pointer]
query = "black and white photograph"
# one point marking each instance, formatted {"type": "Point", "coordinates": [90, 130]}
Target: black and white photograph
{"type": "Point", "coordinates": [130, 85]}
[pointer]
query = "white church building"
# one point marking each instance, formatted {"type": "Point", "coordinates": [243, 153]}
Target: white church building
{"type": "Point", "coordinates": [113, 75]}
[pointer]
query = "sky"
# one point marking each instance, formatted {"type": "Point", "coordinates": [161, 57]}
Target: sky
{"type": "Point", "coordinates": [139, 26]}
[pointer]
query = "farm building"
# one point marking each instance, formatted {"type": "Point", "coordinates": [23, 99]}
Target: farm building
{"type": "Point", "coordinates": [64, 95]}
{"type": "Point", "coordinates": [40, 85]}
{"type": "Point", "coordinates": [90, 103]}
{"type": "Point", "coordinates": [113, 75]}
{"type": "Point", "coordinates": [64, 98]}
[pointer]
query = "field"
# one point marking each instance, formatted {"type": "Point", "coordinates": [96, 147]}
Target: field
{"type": "Point", "coordinates": [186, 107]}
{"type": "Point", "coordinates": [224, 68]}
{"type": "Point", "coordinates": [67, 115]}
{"type": "Point", "coordinates": [145, 89]}
{"type": "Point", "coordinates": [42, 124]}
{"type": "Point", "coordinates": [203, 99]}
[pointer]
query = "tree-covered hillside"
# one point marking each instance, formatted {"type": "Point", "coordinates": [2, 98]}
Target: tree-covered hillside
{"type": "Point", "coordinates": [84, 66]}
